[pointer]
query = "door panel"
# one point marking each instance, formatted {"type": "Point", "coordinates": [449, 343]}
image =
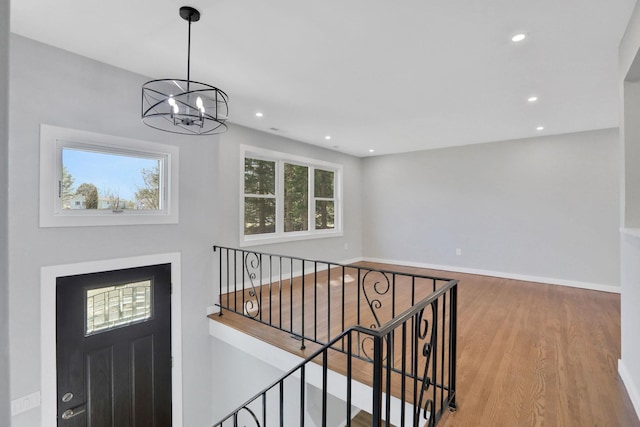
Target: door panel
{"type": "Point", "coordinates": [142, 377]}
{"type": "Point", "coordinates": [114, 361]}
{"type": "Point", "coordinates": [98, 371]}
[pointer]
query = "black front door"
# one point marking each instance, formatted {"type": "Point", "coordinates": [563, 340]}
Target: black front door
{"type": "Point", "coordinates": [114, 348]}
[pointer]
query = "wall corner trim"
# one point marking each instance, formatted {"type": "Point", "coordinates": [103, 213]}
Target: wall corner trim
{"type": "Point", "coordinates": [632, 388]}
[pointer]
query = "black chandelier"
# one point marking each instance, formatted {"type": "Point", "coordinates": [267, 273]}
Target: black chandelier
{"type": "Point", "coordinates": [185, 106]}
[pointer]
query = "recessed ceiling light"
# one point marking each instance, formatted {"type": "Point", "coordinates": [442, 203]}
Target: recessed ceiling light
{"type": "Point", "coordinates": [259, 114]}
{"type": "Point", "coordinates": [371, 150]}
{"type": "Point", "coordinates": [540, 128]}
{"type": "Point", "coordinates": [328, 137]}
{"type": "Point", "coordinates": [532, 99]}
{"type": "Point", "coordinates": [518, 37]}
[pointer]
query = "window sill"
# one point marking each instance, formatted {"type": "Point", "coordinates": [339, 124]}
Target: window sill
{"type": "Point", "coordinates": [267, 240]}
{"type": "Point", "coordinates": [103, 219]}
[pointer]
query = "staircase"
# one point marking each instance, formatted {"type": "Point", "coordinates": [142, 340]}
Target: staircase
{"type": "Point", "coordinates": [375, 343]}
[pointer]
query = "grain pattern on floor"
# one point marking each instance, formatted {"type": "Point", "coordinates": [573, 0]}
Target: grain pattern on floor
{"type": "Point", "coordinates": [529, 354]}
{"type": "Point", "coordinates": [363, 419]}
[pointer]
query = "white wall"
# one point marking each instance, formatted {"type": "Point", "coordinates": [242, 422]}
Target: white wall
{"type": "Point", "coordinates": [629, 67]}
{"type": "Point", "coordinates": [228, 196]}
{"type": "Point", "coordinates": [55, 87]}
{"type": "Point", "coordinates": [543, 208]}
{"type": "Point", "coordinates": [238, 377]}
{"type": "Point", "coordinates": [241, 373]}
{"type": "Point", "coordinates": [4, 196]}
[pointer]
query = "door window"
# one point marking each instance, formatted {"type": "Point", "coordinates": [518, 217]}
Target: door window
{"type": "Point", "coordinates": [113, 307]}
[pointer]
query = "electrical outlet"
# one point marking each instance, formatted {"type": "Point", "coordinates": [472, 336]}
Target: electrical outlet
{"type": "Point", "coordinates": [458, 251]}
{"type": "Point", "coordinates": [25, 403]}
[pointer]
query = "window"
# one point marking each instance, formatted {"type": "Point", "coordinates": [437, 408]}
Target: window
{"type": "Point", "coordinates": [287, 197]}
{"type": "Point", "coordinates": [296, 197]}
{"type": "Point", "coordinates": [324, 195]}
{"type": "Point", "coordinates": [260, 196]}
{"type": "Point", "coordinates": [113, 307]}
{"type": "Point", "coordinates": [99, 178]}
{"type": "Point", "coordinates": [94, 179]}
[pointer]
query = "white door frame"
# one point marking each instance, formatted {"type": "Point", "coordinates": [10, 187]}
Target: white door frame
{"type": "Point", "coordinates": [48, 276]}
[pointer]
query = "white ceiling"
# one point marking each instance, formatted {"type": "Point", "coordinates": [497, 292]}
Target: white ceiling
{"type": "Point", "coordinates": [393, 76]}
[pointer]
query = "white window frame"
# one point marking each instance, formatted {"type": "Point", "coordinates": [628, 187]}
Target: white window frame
{"type": "Point", "coordinates": [280, 235]}
{"type": "Point", "coordinates": [54, 139]}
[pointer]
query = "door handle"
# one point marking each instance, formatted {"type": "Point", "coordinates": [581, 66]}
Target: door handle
{"type": "Point", "coordinates": [70, 413]}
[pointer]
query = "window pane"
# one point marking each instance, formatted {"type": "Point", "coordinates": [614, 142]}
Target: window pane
{"type": "Point", "coordinates": [259, 215]}
{"type": "Point", "coordinates": [100, 180]}
{"type": "Point", "coordinates": [112, 307]}
{"type": "Point", "coordinates": [324, 215]}
{"type": "Point", "coordinates": [323, 183]}
{"type": "Point", "coordinates": [296, 197]}
{"type": "Point", "coordinates": [259, 176]}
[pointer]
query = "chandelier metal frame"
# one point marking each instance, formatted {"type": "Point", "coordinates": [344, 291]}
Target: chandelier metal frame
{"type": "Point", "coordinates": [182, 106]}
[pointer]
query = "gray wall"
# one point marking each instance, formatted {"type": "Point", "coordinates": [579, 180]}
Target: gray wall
{"type": "Point", "coordinates": [4, 195]}
{"type": "Point", "coordinates": [228, 196]}
{"type": "Point", "coordinates": [58, 88]}
{"type": "Point", "coordinates": [544, 207]}
{"type": "Point", "coordinates": [630, 207]}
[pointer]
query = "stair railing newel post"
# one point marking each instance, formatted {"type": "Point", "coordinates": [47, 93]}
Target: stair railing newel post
{"type": "Point", "coordinates": [302, 335]}
{"type": "Point", "coordinates": [377, 381]}
{"type": "Point", "coordinates": [453, 333]}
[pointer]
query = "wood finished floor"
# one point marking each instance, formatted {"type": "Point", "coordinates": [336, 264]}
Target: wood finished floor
{"type": "Point", "coordinates": [529, 354]}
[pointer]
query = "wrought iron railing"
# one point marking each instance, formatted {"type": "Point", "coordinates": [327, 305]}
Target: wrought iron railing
{"type": "Point", "coordinates": [394, 331]}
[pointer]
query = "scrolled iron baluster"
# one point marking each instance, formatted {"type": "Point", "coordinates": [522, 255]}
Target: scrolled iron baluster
{"type": "Point", "coordinates": [370, 340]}
{"type": "Point", "coordinates": [253, 304]}
{"type": "Point", "coordinates": [426, 405]}
{"type": "Point", "coordinates": [363, 346]}
{"type": "Point", "coordinates": [253, 415]}
{"type": "Point", "coordinates": [380, 288]}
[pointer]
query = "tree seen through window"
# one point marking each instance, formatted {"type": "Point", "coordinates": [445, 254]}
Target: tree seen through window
{"type": "Point", "coordinates": [109, 181]}
{"type": "Point", "coordinates": [283, 197]}
{"type": "Point", "coordinates": [259, 201]}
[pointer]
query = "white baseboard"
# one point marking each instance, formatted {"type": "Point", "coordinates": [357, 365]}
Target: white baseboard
{"type": "Point", "coordinates": [351, 261]}
{"type": "Point", "coordinates": [632, 388]}
{"type": "Point", "coordinates": [523, 277]}
{"type": "Point", "coordinates": [456, 269]}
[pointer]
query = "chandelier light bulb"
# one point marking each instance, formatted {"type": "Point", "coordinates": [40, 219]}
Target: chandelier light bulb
{"type": "Point", "coordinates": [199, 104]}
{"type": "Point", "coordinates": [171, 101]}
{"type": "Point", "coordinates": [176, 110]}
